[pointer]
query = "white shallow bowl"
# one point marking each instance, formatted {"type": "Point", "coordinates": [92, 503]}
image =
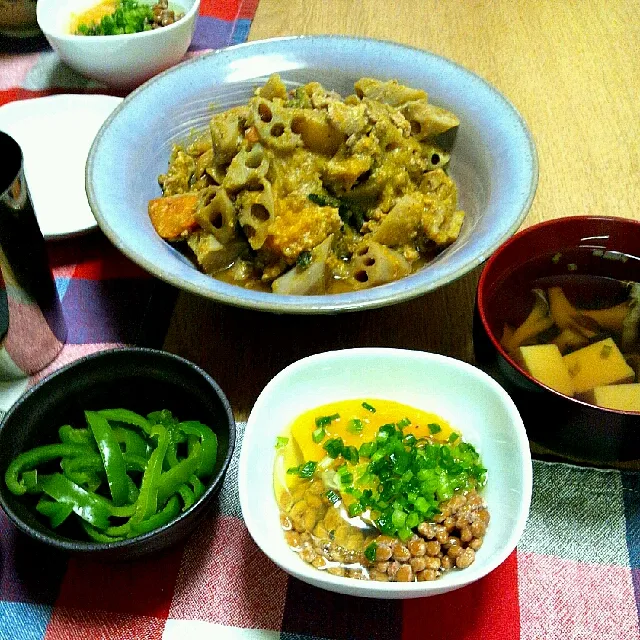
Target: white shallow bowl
{"type": "Point", "coordinates": [461, 394]}
{"type": "Point", "coordinates": [493, 161]}
{"type": "Point", "coordinates": [122, 61]}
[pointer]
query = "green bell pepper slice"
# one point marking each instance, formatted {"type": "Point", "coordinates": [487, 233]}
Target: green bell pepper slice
{"type": "Point", "coordinates": [57, 512]}
{"type": "Point", "coordinates": [209, 442]}
{"type": "Point", "coordinates": [169, 481]}
{"type": "Point", "coordinates": [170, 511]}
{"type": "Point", "coordinates": [69, 435]}
{"type": "Point", "coordinates": [111, 455]}
{"type": "Point", "coordinates": [98, 536]}
{"type": "Point", "coordinates": [89, 506]}
{"type": "Point", "coordinates": [128, 417]}
{"type": "Point", "coordinates": [133, 442]}
{"type": "Point", "coordinates": [147, 503]}
{"type": "Point", "coordinates": [28, 460]}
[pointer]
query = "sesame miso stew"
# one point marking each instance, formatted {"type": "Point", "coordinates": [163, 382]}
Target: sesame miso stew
{"type": "Point", "coordinates": [377, 490]}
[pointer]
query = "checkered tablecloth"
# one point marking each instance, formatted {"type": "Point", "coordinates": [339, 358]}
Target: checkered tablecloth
{"type": "Point", "coordinates": [575, 574]}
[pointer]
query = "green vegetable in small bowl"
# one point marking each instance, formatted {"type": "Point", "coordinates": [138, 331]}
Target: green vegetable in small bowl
{"type": "Point", "coordinates": [122, 475]}
{"type": "Point", "coordinates": [116, 484]}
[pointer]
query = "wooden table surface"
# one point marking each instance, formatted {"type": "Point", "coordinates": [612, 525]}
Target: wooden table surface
{"type": "Point", "coordinates": [572, 69]}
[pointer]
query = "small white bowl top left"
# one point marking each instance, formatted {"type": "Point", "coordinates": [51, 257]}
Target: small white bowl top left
{"type": "Point", "coordinates": [55, 134]}
{"type": "Point", "coordinates": [126, 60]}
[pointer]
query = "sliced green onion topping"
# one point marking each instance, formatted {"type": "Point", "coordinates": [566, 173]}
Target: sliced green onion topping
{"type": "Point", "coordinates": [333, 497]}
{"type": "Point", "coordinates": [323, 421]}
{"type": "Point", "coordinates": [305, 470]}
{"type": "Point", "coordinates": [281, 442]}
{"type": "Point", "coordinates": [368, 407]}
{"type": "Point", "coordinates": [434, 428]}
{"type": "Point", "coordinates": [355, 425]}
{"type": "Point", "coordinates": [370, 552]}
{"type": "Point", "coordinates": [334, 447]}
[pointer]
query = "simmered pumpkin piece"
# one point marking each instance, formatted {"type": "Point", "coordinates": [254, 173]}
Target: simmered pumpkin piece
{"type": "Point", "coordinates": [299, 225]}
{"type": "Point", "coordinates": [173, 216]}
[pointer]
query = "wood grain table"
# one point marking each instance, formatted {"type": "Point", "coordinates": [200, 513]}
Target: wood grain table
{"type": "Point", "coordinates": [572, 69]}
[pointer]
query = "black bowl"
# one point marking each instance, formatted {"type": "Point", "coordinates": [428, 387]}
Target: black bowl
{"type": "Point", "coordinates": [142, 380]}
{"type": "Point", "coordinates": [564, 425]}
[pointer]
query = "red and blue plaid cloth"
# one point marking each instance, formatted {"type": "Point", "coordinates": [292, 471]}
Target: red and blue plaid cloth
{"type": "Point", "coordinates": [575, 575]}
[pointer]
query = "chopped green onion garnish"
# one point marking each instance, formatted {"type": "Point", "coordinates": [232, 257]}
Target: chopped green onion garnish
{"type": "Point", "coordinates": [350, 454]}
{"type": "Point", "coordinates": [304, 260]}
{"type": "Point", "coordinates": [367, 449]}
{"type": "Point", "coordinates": [281, 442]}
{"type": "Point", "coordinates": [413, 520]}
{"type": "Point", "coordinates": [355, 425]}
{"type": "Point", "coordinates": [398, 480]}
{"type": "Point", "coordinates": [333, 447]}
{"type": "Point", "coordinates": [323, 421]}
{"type": "Point", "coordinates": [398, 518]}
{"type": "Point", "coordinates": [404, 534]}
{"type": "Point", "coordinates": [370, 552]}
{"type": "Point", "coordinates": [368, 407]}
{"type": "Point", "coordinates": [305, 470]}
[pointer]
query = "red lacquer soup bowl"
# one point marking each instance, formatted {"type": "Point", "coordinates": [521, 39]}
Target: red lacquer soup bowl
{"type": "Point", "coordinates": [592, 259]}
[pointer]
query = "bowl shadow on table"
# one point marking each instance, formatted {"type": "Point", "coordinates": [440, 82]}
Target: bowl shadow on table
{"type": "Point", "coordinates": [33, 572]}
{"type": "Point", "coordinates": [244, 349]}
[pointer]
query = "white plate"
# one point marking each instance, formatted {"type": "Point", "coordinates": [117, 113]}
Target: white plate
{"type": "Point", "coordinates": [55, 133]}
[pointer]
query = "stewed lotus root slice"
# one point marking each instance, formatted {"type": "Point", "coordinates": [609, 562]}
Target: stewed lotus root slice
{"type": "Point", "coordinates": [247, 170]}
{"type": "Point", "coordinates": [215, 213]}
{"type": "Point", "coordinates": [374, 264]}
{"type": "Point", "coordinates": [273, 125]}
{"type": "Point", "coordinates": [255, 212]}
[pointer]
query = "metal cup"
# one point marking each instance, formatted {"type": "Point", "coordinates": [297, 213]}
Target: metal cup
{"type": "Point", "coordinates": [30, 311]}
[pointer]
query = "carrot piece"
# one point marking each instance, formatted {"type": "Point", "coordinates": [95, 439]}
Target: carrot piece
{"type": "Point", "coordinates": [172, 216]}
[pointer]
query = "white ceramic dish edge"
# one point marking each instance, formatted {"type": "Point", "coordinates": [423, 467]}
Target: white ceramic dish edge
{"type": "Point", "coordinates": [325, 377]}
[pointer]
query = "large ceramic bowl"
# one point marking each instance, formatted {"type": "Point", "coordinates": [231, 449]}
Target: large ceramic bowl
{"type": "Point", "coordinates": [458, 392]}
{"type": "Point", "coordinates": [120, 61]}
{"type": "Point", "coordinates": [142, 380]}
{"type": "Point", "coordinates": [493, 160]}
{"type": "Point", "coordinates": [565, 425]}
